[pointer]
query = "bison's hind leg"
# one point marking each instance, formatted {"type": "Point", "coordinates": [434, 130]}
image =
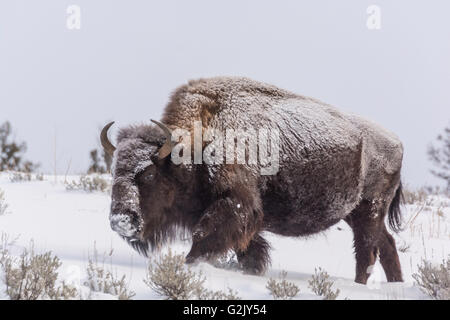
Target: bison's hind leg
{"type": "Point", "coordinates": [389, 257]}
{"type": "Point", "coordinates": [371, 238]}
{"type": "Point", "coordinates": [255, 259]}
{"type": "Point", "coordinates": [365, 237]}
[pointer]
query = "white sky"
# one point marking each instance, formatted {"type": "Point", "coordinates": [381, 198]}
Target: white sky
{"type": "Point", "coordinates": [129, 55]}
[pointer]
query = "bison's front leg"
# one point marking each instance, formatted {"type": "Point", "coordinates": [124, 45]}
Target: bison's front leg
{"type": "Point", "coordinates": [255, 259]}
{"type": "Point", "coordinates": [229, 223]}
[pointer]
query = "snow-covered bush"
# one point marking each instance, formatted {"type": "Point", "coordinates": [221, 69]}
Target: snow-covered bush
{"type": "Point", "coordinates": [101, 279]}
{"type": "Point", "coordinates": [33, 276]}
{"type": "Point", "coordinates": [90, 184]}
{"type": "Point", "coordinates": [434, 280]}
{"type": "Point", "coordinates": [3, 204]}
{"type": "Point", "coordinates": [5, 243]}
{"type": "Point", "coordinates": [18, 176]}
{"type": "Point", "coordinates": [170, 278]}
{"type": "Point", "coordinates": [282, 289]}
{"type": "Point", "coordinates": [321, 286]}
{"type": "Point", "coordinates": [414, 196]}
{"type": "Point", "coordinates": [404, 247]}
{"type": "Point", "coordinates": [424, 195]}
{"type": "Point", "coordinates": [206, 294]}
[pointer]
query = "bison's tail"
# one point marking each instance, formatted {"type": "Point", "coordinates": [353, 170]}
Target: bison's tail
{"type": "Point", "coordinates": [394, 215]}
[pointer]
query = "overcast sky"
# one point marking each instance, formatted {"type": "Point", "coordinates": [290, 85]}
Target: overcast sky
{"type": "Point", "coordinates": [129, 55]}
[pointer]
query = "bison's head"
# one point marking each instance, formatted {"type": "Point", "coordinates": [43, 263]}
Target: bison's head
{"type": "Point", "coordinates": [144, 188]}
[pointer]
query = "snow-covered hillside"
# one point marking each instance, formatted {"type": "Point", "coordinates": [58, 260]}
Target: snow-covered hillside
{"type": "Point", "coordinates": [70, 223]}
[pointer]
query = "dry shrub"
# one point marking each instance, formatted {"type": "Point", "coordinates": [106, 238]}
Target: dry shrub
{"type": "Point", "coordinates": [101, 279]}
{"type": "Point", "coordinates": [434, 280]}
{"type": "Point", "coordinates": [230, 294]}
{"type": "Point", "coordinates": [89, 184]}
{"type": "Point", "coordinates": [282, 289]}
{"type": "Point", "coordinates": [414, 196]}
{"type": "Point", "coordinates": [33, 276]}
{"type": "Point", "coordinates": [170, 278]}
{"type": "Point", "coordinates": [424, 195]}
{"type": "Point", "coordinates": [321, 286]}
{"type": "Point", "coordinates": [3, 204]}
{"type": "Point", "coordinates": [5, 244]}
{"type": "Point", "coordinates": [404, 247]}
{"type": "Point", "coordinates": [18, 176]}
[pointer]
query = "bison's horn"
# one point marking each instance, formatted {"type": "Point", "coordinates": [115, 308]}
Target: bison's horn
{"type": "Point", "coordinates": [107, 145]}
{"type": "Point", "coordinates": [166, 149]}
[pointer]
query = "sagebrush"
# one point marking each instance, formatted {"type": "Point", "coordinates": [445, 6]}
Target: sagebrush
{"type": "Point", "coordinates": [170, 278]}
{"type": "Point", "coordinates": [415, 196]}
{"type": "Point", "coordinates": [434, 280]}
{"type": "Point", "coordinates": [282, 289]}
{"type": "Point", "coordinates": [18, 176]}
{"type": "Point", "coordinates": [3, 204]}
{"type": "Point", "coordinates": [33, 276]}
{"type": "Point", "coordinates": [321, 285]}
{"type": "Point", "coordinates": [90, 183]}
{"type": "Point", "coordinates": [103, 279]}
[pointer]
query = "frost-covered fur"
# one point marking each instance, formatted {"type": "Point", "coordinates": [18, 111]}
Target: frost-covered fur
{"type": "Point", "coordinates": [332, 166]}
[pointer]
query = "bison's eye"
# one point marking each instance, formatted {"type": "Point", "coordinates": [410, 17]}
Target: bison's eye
{"type": "Point", "coordinates": [147, 175]}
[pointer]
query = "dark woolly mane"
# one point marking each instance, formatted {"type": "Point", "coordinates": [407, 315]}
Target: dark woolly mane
{"type": "Point", "coordinates": [146, 133]}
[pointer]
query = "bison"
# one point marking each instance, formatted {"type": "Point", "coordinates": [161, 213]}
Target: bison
{"type": "Point", "coordinates": [332, 166]}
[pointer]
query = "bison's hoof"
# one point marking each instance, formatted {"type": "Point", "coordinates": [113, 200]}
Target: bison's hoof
{"type": "Point", "coordinates": [127, 225]}
{"type": "Point", "coordinates": [253, 271]}
{"type": "Point", "coordinates": [190, 260]}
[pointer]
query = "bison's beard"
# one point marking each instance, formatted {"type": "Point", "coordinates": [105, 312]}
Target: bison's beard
{"type": "Point", "coordinates": [155, 240]}
{"type": "Point", "coordinates": [141, 246]}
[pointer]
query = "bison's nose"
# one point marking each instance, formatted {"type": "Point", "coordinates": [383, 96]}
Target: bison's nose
{"type": "Point", "coordinates": [126, 224]}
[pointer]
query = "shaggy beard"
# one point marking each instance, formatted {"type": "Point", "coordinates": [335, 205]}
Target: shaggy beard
{"type": "Point", "coordinates": [158, 239]}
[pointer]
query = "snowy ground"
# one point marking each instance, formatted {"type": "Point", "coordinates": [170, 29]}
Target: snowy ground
{"type": "Point", "coordinates": [69, 223]}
